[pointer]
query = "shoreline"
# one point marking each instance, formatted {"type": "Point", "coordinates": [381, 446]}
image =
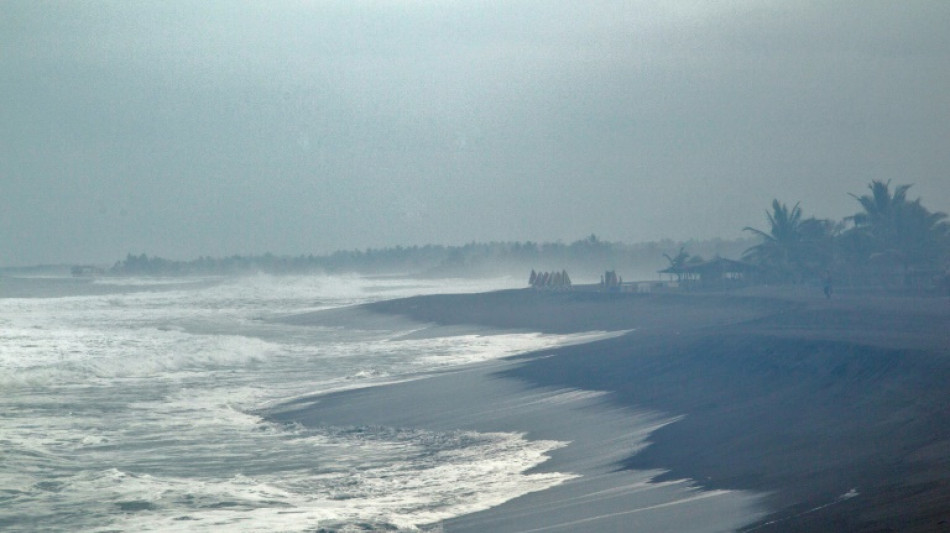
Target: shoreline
{"type": "Point", "coordinates": [835, 410]}
{"type": "Point", "coordinates": [591, 437]}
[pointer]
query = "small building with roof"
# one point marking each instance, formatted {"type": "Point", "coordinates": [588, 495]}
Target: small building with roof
{"type": "Point", "coordinates": [718, 273]}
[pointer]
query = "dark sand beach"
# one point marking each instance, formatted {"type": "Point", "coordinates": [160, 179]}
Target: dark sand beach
{"type": "Point", "coordinates": [821, 415]}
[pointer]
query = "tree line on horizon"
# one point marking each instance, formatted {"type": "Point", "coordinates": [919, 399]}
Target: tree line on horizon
{"type": "Point", "coordinates": [891, 240]}
{"type": "Point", "coordinates": [587, 257]}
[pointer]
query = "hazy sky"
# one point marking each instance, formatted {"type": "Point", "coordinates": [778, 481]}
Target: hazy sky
{"type": "Point", "coordinates": [212, 128]}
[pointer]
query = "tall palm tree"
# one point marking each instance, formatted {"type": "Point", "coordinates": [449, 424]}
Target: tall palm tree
{"type": "Point", "coordinates": [880, 207]}
{"type": "Point", "coordinates": [777, 245]}
{"type": "Point", "coordinates": [893, 229]}
{"type": "Point", "coordinates": [875, 227]}
{"type": "Point", "coordinates": [792, 247]}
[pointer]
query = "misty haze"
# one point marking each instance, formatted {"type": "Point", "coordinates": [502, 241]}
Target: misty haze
{"type": "Point", "coordinates": [460, 266]}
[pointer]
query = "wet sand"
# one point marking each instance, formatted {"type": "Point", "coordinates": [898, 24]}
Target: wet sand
{"type": "Point", "coordinates": [836, 412]}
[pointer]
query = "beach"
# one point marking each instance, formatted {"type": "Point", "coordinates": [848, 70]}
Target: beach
{"type": "Point", "coordinates": [771, 409]}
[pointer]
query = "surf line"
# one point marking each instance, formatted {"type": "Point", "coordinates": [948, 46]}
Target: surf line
{"type": "Point", "coordinates": [844, 497]}
{"type": "Point", "coordinates": [701, 496]}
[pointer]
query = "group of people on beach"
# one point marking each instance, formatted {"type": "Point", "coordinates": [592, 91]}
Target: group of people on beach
{"type": "Point", "coordinates": [610, 281]}
{"type": "Point", "coordinates": [550, 280]}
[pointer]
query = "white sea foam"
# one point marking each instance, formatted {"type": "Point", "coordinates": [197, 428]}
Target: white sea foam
{"type": "Point", "coordinates": [435, 477]}
{"type": "Point", "coordinates": [131, 411]}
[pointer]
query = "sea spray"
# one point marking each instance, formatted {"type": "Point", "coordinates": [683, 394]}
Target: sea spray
{"type": "Point", "coordinates": [132, 408]}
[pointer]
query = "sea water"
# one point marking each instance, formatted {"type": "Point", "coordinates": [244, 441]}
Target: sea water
{"type": "Point", "coordinates": [129, 404]}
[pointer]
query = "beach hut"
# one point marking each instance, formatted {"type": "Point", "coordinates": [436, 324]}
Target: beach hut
{"type": "Point", "coordinates": [718, 273]}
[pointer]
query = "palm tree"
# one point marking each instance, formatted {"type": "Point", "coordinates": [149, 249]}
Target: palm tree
{"type": "Point", "coordinates": [792, 247]}
{"type": "Point", "coordinates": [875, 228]}
{"type": "Point", "coordinates": [778, 244]}
{"type": "Point", "coordinates": [678, 263]}
{"type": "Point", "coordinates": [879, 206]}
{"type": "Point", "coordinates": [892, 229]}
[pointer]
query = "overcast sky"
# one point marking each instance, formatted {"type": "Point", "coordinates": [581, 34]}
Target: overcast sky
{"type": "Point", "coordinates": [182, 129]}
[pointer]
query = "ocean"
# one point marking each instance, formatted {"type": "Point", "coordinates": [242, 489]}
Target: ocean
{"type": "Point", "coordinates": [133, 405]}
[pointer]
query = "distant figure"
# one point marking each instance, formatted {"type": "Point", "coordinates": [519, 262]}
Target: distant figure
{"type": "Point", "coordinates": [826, 283]}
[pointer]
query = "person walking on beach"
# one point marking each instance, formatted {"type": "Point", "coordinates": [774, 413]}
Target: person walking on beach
{"type": "Point", "coordinates": [826, 283]}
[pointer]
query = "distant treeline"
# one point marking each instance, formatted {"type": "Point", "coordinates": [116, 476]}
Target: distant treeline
{"type": "Point", "coordinates": [890, 241]}
{"type": "Point", "coordinates": [587, 257]}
